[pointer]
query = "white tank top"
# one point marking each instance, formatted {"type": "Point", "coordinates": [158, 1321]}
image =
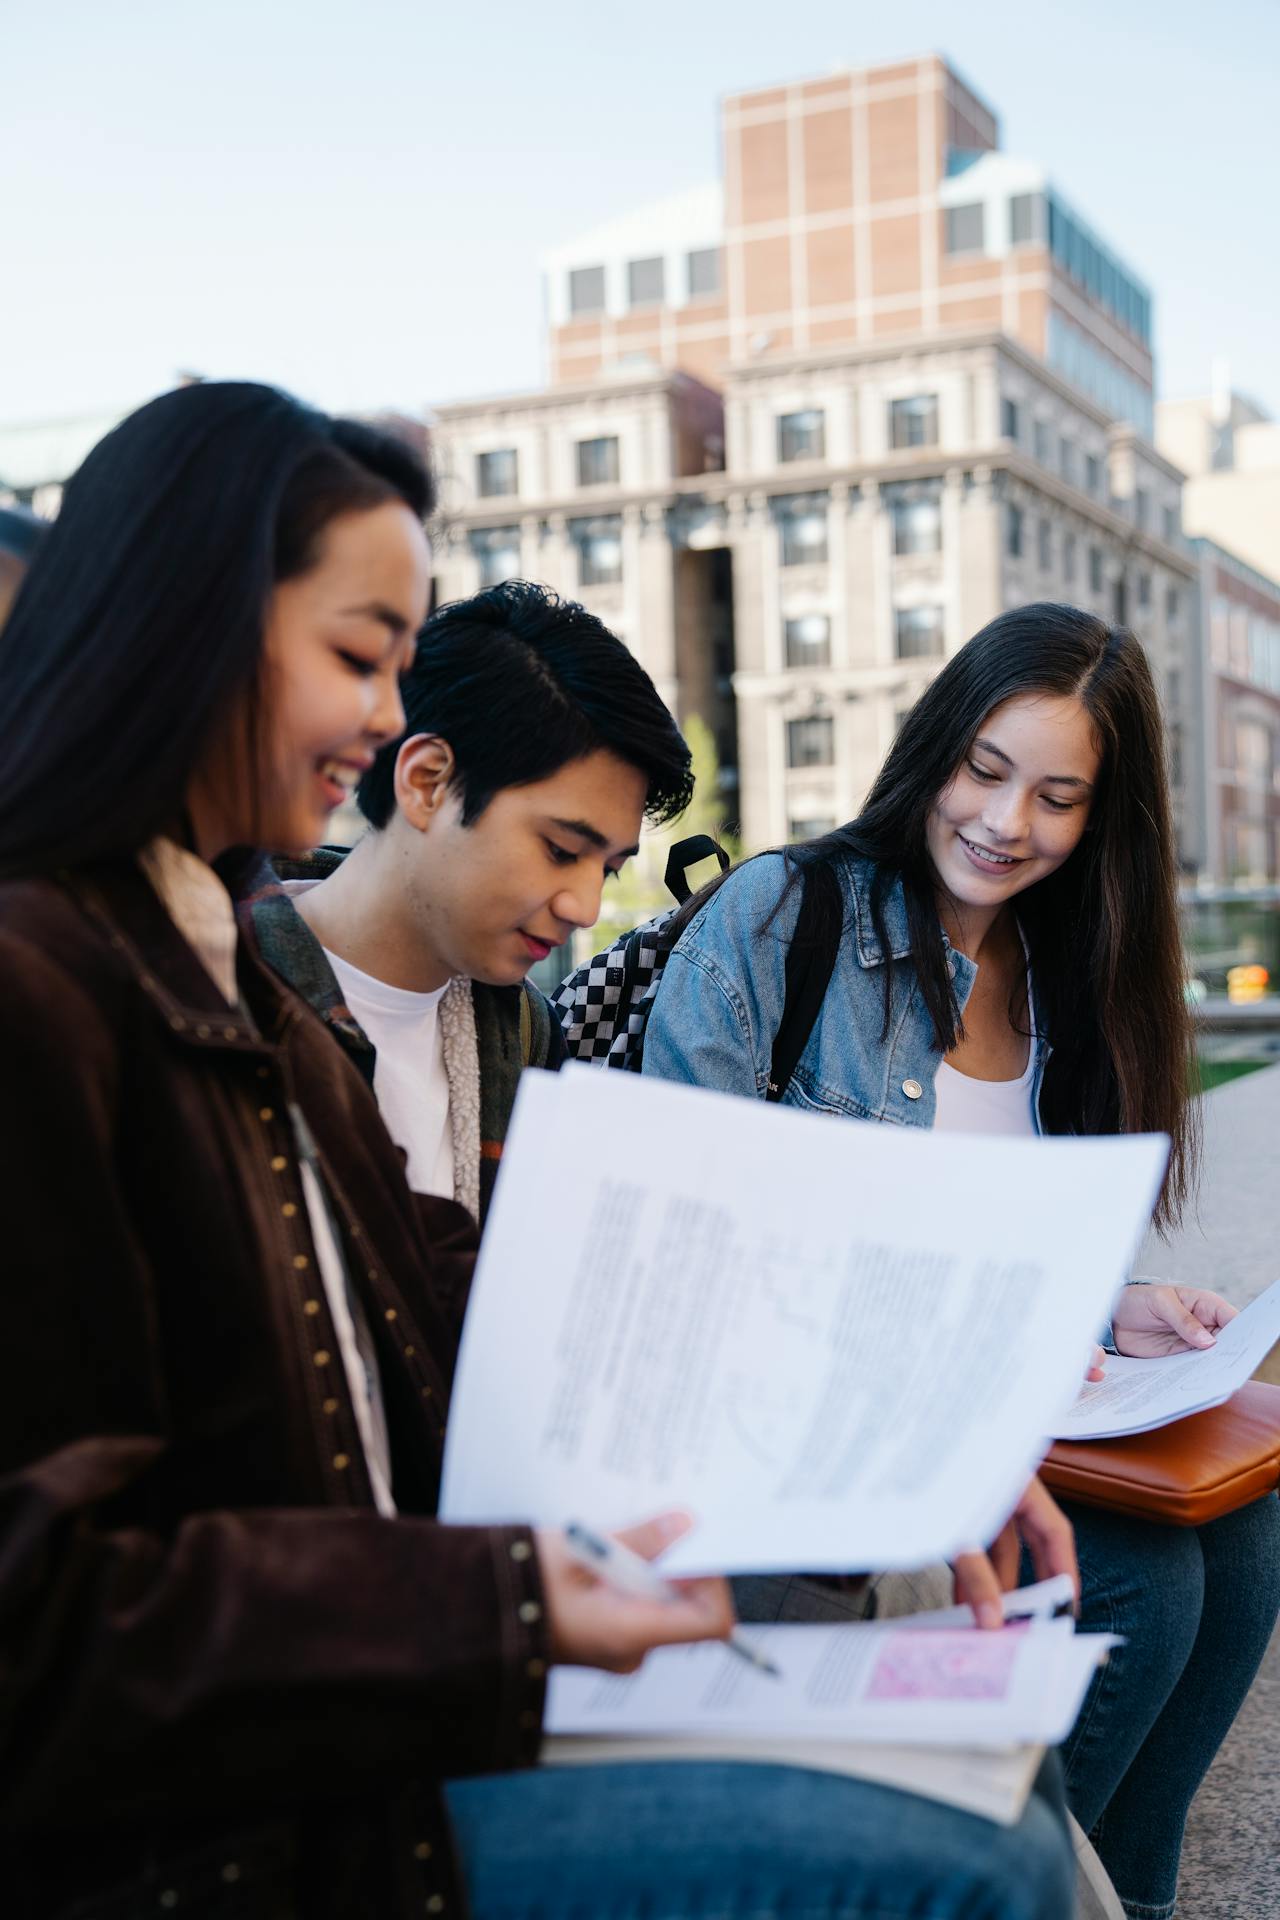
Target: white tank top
{"type": "Point", "coordinates": [966, 1105]}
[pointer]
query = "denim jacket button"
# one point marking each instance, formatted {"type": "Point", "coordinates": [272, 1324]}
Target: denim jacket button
{"type": "Point", "coordinates": [912, 1089]}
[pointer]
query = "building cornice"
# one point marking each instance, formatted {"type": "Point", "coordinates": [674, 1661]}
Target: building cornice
{"type": "Point", "coordinates": [661, 382]}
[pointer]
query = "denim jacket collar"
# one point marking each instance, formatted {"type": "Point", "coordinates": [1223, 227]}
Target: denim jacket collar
{"type": "Point", "coordinates": [870, 952]}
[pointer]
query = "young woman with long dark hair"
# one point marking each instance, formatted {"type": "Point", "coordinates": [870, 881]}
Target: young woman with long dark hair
{"type": "Point", "coordinates": [239, 1657]}
{"type": "Point", "coordinates": [1009, 961]}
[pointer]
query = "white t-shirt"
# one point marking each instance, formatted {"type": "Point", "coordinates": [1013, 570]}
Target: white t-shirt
{"type": "Point", "coordinates": [966, 1105]}
{"type": "Point", "coordinates": [409, 1075]}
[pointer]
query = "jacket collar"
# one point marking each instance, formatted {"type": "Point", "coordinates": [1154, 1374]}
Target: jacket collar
{"type": "Point", "coordinates": [118, 898]}
{"type": "Point", "coordinates": [860, 874]}
{"type": "Point", "coordinates": [278, 933]}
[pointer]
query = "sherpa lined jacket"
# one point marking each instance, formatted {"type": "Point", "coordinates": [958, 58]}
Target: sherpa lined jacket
{"type": "Point", "coordinates": [490, 1033]}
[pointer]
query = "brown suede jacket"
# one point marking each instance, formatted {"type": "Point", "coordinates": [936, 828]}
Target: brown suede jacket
{"type": "Point", "coordinates": [226, 1684]}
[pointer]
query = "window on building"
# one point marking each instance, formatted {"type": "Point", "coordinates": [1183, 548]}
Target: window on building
{"type": "Point", "coordinates": [497, 473]}
{"type": "Point", "coordinates": [1144, 589]}
{"type": "Point", "coordinates": [1042, 442]}
{"type": "Point", "coordinates": [599, 544]}
{"type": "Point", "coordinates": [1171, 604]}
{"type": "Point", "coordinates": [1009, 418]}
{"type": "Point", "coordinates": [1044, 544]}
{"type": "Point", "coordinates": [802, 436]}
{"type": "Point", "coordinates": [1026, 218]}
{"type": "Point", "coordinates": [1173, 688]}
{"type": "Point", "coordinates": [703, 267]}
{"type": "Point", "coordinates": [811, 742]}
{"type": "Point", "coordinates": [598, 462]}
{"type": "Point", "coordinates": [646, 282]}
{"type": "Point", "coordinates": [497, 552]}
{"type": "Point", "coordinates": [1013, 531]}
{"type": "Point", "coordinates": [808, 640]}
{"type": "Point", "coordinates": [586, 290]}
{"type": "Point", "coordinates": [914, 422]}
{"type": "Point", "coordinates": [1170, 524]}
{"type": "Point", "coordinates": [1092, 474]}
{"type": "Point", "coordinates": [916, 513]}
{"type": "Point", "coordinates": [803, 529]}
{"type": "Point", "coordinates": [810, 829]}
{"type": "Point", "coordinates": [1120, 602]}
{"type": "Point", "coordinates": [1067, 459]}
{"type": "Point", "coordinates": [965, 228]}
{"type": "Point", "coordinates": [1069, 558]}
{"type": "Point", "coordinates": [1141, 508]}
{"type": "Point", "coordinates": [918, 632]}
{"type": "Point", "coordinates": [1096, 574]}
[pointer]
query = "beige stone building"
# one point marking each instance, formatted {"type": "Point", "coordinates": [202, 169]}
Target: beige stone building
{"type": "Point", "coordinates": [936, 381]}
{"type": "Point", "coordinates": [1230, 450]}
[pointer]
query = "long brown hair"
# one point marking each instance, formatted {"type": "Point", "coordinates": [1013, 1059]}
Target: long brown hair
{"type": "Point", "coordinates": [1102, 931]}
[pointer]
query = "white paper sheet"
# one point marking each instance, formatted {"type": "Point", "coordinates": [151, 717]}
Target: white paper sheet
{"type": "Point", "coordinates": [1139, 1395]}
{"type": "Point", "coordinates": [852, 1681]}
{"type": "Point", "coordinates": [838, 1346]}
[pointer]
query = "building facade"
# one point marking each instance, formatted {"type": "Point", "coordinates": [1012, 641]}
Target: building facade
{"type": "Point", "coordinates": [1229, 448]}
{"type": "Point", "coordinates": [936, 381]}
{"type": "Point", "coordinates": [856, 208]}
{"type": "Point", "coordinates": [1239, 690]}
{"type": "Point", "coordinates": [796, 572]}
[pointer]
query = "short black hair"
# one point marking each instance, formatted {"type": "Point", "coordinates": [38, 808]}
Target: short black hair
{"type": "Point", "coordinates": [520, 682]}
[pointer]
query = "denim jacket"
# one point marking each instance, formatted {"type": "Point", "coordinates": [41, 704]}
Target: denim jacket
{"type": "Point", "coordinates": [718, 1008]}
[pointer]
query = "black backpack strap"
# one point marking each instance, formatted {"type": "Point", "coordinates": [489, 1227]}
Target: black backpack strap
{"type": "Point", "coordinates": [811, 958]}
{"type": "Point", "coordinates": [687, 853]}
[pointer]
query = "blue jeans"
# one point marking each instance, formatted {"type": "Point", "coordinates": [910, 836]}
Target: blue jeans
{"type": "Point", "coordinates": [726, 1840]}
{"type": "Point", "coordinates": [1198, 1605]}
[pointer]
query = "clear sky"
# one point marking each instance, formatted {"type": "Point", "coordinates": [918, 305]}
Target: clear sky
{"type": "Point", "coordinates": [349, 196]}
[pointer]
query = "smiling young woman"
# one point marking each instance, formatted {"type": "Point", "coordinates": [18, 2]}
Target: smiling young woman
{"type": "Point", "coordinates": [1008, 960]}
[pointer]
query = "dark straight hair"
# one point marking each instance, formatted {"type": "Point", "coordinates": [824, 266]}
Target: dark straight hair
{"type": "Point", "coordinates": [520, 682]}
{"type": "Point", "coordinates": [1102, 931]}
{"type": "Point", "coordinates": [139, 629]}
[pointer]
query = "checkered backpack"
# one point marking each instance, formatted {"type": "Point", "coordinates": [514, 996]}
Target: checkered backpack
{"type": "Point", "coordinates": [603, 1006]}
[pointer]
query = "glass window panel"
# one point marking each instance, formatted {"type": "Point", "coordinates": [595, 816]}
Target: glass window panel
{"type": "Point", "coordinates": [918, 632]}
{"type": "Point", "coordinates": [1026, 218]}
{"type": "Point", "coordinates": [704, 272]}
{"type": "Point", "coordinates": [1009, 419]}
{"type": "Point", "coordinates": [811, 741]}
{"type": "Point", "coordinates": [914, 422]}
{"type": "Point", "coordinates": [917, 523]}
{"type": "Point", "coordinates": [646, 282]}
{"type": "Point", "coordinates": [497, 473]}
{"type": "Point", "coordinates": [497, 552]}
{"type": "Point", "coordinates": [965, 228]}
{"type": "Point", "coordinates": [803, 528]}
{"type": "Point", "coordinates": [598, 462]}
{"type": "Point", "coordinates": [599, 544]}
{"type": "Point", "coordinates": [808, 640]}
{"type": "Point", "coordinates": [802, 436]}
{"type": "Point", "coordinates": [1013, 531]}
{"type": "Point", "coordinates": [586, 290]}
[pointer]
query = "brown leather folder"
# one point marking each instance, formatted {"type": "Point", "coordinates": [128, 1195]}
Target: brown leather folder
{"type": "Point", "coordinates": [1184, 1474]}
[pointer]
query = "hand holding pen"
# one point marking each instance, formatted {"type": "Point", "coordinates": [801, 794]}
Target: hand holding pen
{"type": "Point", "coordinates": [593, 1624]}
{"type": "Point", "coordinates": [627, 1572]}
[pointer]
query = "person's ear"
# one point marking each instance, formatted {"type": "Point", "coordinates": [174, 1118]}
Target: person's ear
{"type": "Point", "coordinates": [425, 766]}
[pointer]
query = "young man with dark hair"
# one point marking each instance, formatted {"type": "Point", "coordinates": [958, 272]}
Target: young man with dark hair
{"type": "Point", "coordinates": [535, 746]}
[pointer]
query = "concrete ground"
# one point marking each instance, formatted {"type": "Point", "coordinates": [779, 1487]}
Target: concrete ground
{"type": "Point", "coordinates": [1231, 1860]}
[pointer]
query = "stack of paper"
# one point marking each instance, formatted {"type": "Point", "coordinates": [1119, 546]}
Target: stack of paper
{"type": "Point", "coordinates": [928, 1704]}
{"type": "Point", "coordinates": [1137, 1396]}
